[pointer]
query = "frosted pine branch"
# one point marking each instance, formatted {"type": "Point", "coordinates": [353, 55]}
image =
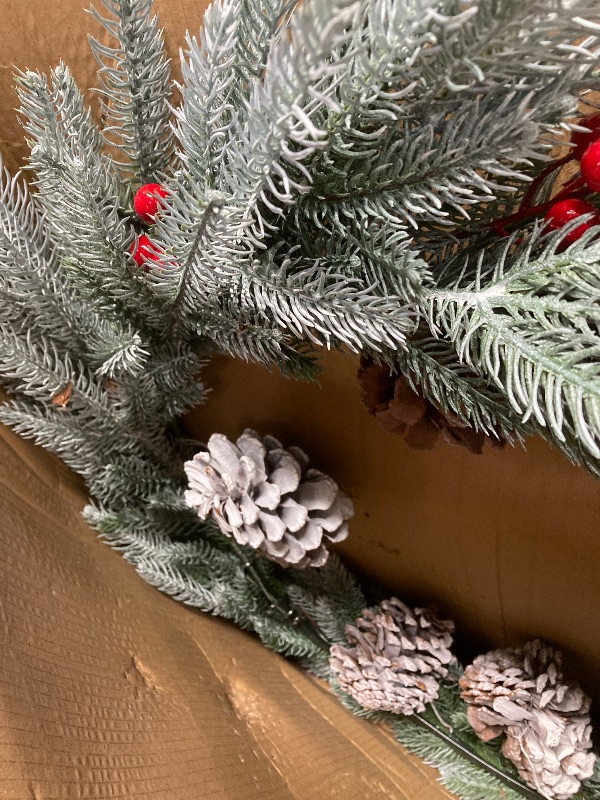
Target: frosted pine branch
{"type": "Point", "coordinates": [136, 88]}
{"type": "Point", "coordinates": [277, 131]}
{"type": "Point", "coordinates": [81, 200]}
{"type": "Point", "coordinates": [314, 299]}
{"type": "Point", "coordinates": [528, 323]}
{"type": "Point", "coordinates": [210, 86]}
{"type": "Point", "coordinates": [430, 366]}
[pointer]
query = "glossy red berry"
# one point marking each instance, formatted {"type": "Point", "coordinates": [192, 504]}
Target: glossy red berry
{"type": "Point", "coordinates": [567, 210]}
{"type": "Point", "coordinates": [582, 140]}
{"type": "Point", "coordinates": [147, 201]}
{"type": "Point", "coordinates": [144, 251]}
{"type": "Point", "coordinates": [590, 166]}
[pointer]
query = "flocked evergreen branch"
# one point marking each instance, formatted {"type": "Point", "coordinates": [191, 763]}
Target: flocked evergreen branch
{"type": "Point", "coordinates": [85, 451]}
{"type": "Point", "coordinates": [197, 572]}
{"type": "Point", "coordinates": [260, 21]}
{"type": "Point", "coordinates": [259, 340]}
{"type": "Point", "coordinates": [462, 777]}
{"type": "Point", "coordinates": [199, 236]}
{"type": "Point", "coordinates": [136, 88]}
{"type": "Point", "coordinates": [35, 298]}
{"type": "Point", "coordinates": [314, 299]}
{"type": "Point", "coordinates": [421, 171]}
{"type": "Point", "coordinates": [275, 133]}
{"type": "Point", "coordinates": [430, 366]}
{"type": "Point", "coordinates": [527, 323]}
{"type": "Point", "coordinates": [169, 386]}
{"type": "Point", "coordinates": [405, 74]}
{"type": "Point", "coordinates": [80, 196]}
{"type": "Point", "coordinates": [33, 367]}
{"type": "Point", "coordinates": [329, 596]}
{"type": "Point", "coordinates": [208, 92]}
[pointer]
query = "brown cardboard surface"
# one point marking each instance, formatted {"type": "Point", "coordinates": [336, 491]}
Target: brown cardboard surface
{"type": "Point", "coordinates": [109, 689]}
{"type": "Point", "coordinates": [506, 543]}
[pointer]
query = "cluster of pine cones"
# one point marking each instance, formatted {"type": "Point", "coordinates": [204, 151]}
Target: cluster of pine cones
{"type": "Point", "coordinates": [268, 498]}
{"type": "Point", "coordinates": [396, 657]}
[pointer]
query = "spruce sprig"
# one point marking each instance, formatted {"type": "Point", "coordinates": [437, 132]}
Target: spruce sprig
{"type": "Point", "coordinates": [526, 320]}
{"type": "Point", "coordinates": [135, 80]}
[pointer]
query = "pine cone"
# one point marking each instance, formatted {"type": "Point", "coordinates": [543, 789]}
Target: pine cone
{"type": "Point", "coordinates": [551, 752]}
{"type": "Point", "coordinates": [491, 679]}
{"type": "Point", "coordinates": [399, 409]}
{"type": "Point", "coordinates": [266, 497]}
{"type": "Point", "coordinates": [521, 692]}
{"type": "Point", "coordinates": [394, 658]}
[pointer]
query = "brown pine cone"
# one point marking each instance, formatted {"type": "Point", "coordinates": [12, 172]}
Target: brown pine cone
{"type": "Point", "coordinates": [399, 409]}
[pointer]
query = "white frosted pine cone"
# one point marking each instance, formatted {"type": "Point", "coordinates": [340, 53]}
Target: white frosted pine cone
{"type": "Point", "coordinates": [268, 498]}
{"type": "Point", "coordinates": [490, 683]}
{"type": "Point", "coordinates": [521, 692]}
{"type": "Point", "coordinates": [551, 752]}
{"type": "Point", "coordinates": [395, 657]}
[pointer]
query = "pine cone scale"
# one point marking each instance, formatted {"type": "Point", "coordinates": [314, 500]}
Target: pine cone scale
{"type": "Point", "coordinates": [272, 526]}
{"type": "Point", "coordinates": [286, 475]}
{"type": "Point", "coordinates": [267, 495]}
{"type": "Point", "coordinates": [293, 515]}
{"type": "Point", "coordinates": [224, 454]}
{"type": "Point", "coordinates": [318, 492]}
{"type": "Point", "coordinates": [400, 409]}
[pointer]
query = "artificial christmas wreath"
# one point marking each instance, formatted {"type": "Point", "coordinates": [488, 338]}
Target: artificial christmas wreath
{"type": "Point", "coordinates": [377, 174]}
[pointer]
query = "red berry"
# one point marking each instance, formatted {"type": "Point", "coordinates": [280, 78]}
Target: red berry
{"type": "Point", "coordinates": [580, 139]}
{"type": "Point", "coordinates": [147, 201]}
{"type": "Point", "coordinates": [590, 166]}
{"type": "Point", "coordinates": [144, 251]}
{"type": "Point", "coordinates": [566, 210]}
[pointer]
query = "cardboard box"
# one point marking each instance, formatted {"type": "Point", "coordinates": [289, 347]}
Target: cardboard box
{"type": "Point", "coordinates": [110, 689]}
{"type": "Point", "coordinates": [507, 543]}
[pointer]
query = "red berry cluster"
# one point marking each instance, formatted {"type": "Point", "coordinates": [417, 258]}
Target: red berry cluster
{"type": "Point", "coordinates": [568, 204]}
{"type": "Point", "coordinates": [565, 209]}
{"type": "Point", "coordinates": [147, 204]}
